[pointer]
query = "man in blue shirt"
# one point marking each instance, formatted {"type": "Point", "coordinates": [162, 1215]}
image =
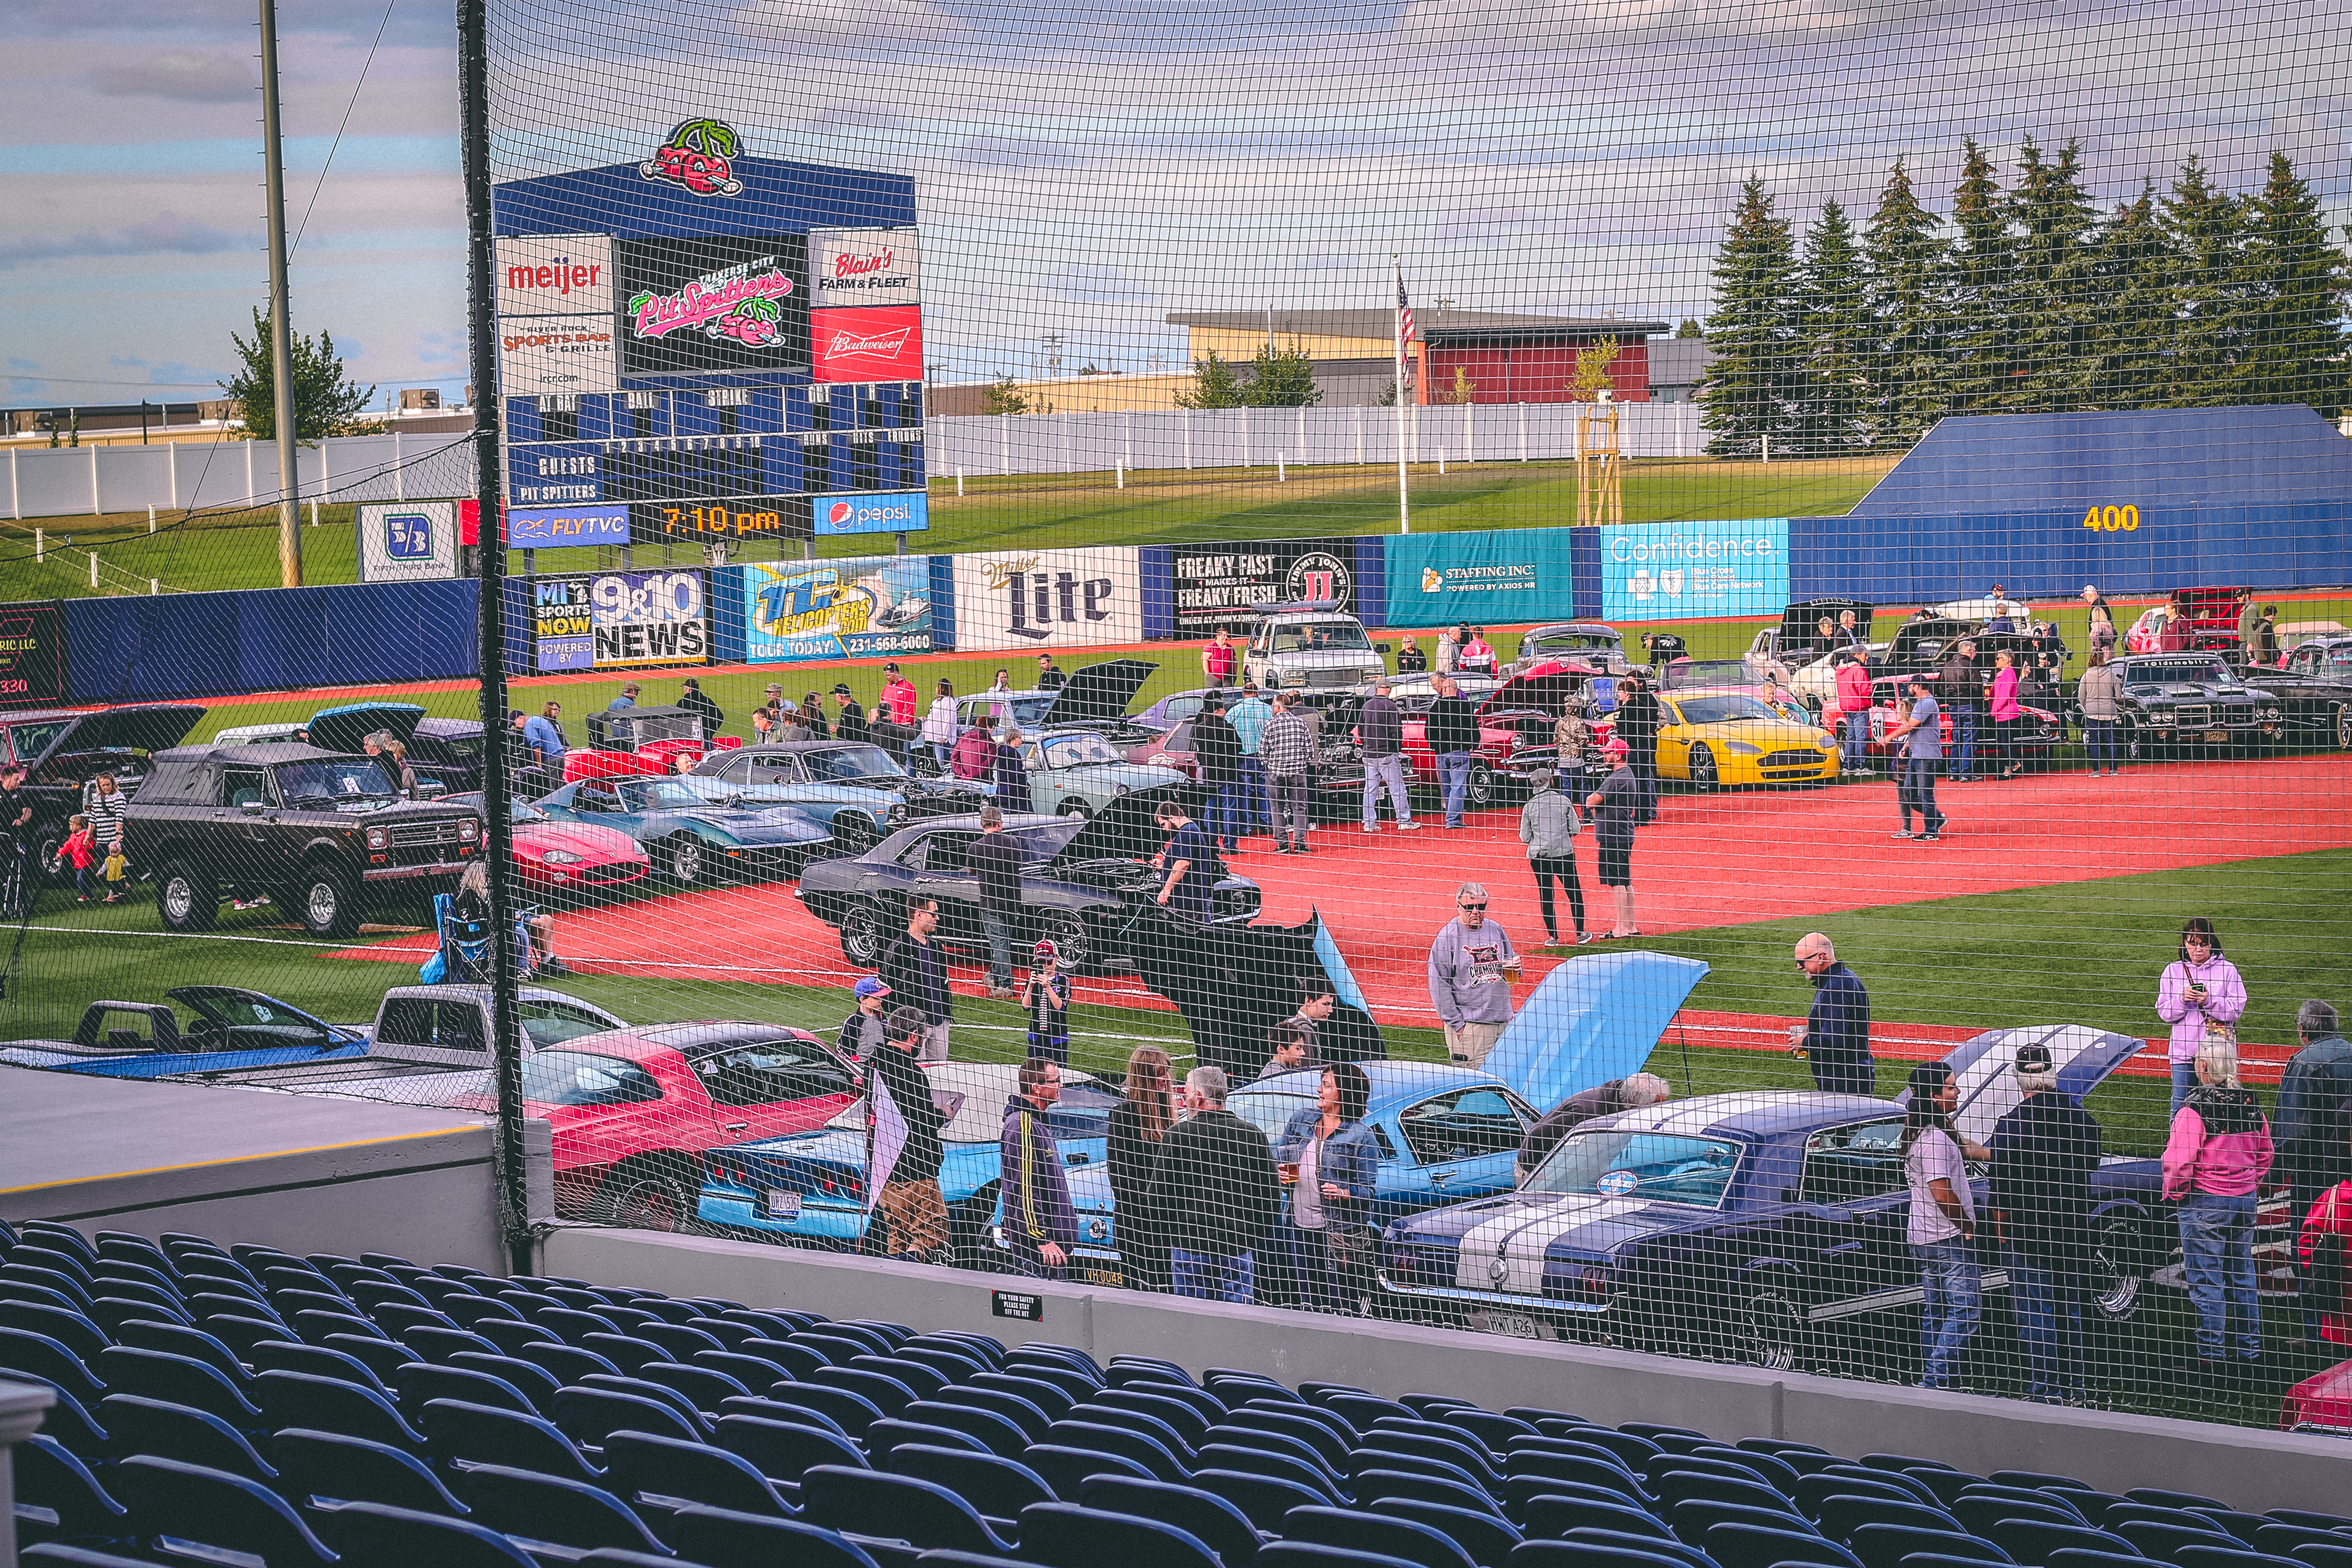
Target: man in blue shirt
{"type": "Point", "coordinates": [1835, 1036]}
{"type": "Point", "coordinates": [627, 699]}
{"type": "Point", "coordinates": [1921, 746]}
{"type": "Point", "coordinates": [546, 737]}
{"type": "Point", "coordinates": [1248, 717]}
{"type": "Point", "coordinates": [1187, 863]}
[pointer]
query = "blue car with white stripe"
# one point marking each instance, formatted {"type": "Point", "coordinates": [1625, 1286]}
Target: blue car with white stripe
{"type": "Point", "coordinates": [224, 1027]}
{"type": "Point", "coordinates": [1740, 1226]}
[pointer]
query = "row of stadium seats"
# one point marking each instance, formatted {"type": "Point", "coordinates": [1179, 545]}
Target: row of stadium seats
{"type": "Point", "coordinates": [311, 1411]}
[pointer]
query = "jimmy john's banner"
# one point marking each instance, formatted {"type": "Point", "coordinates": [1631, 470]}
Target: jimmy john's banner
{"type": "Point", "coordinates": [1042, 600]}
{"type": "Point", "coordinates": [1223, 585]}
{"type": "Point", "coordinates": [863, 267]}
{"type": "Point", "coordinates": [620, 620]}
{"type": "Point", "coordinates": [800, 610]}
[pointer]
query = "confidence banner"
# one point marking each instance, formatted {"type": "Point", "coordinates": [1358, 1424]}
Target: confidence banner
{"type": "Point", "coordinates": [1694, 571]}
{"type": "Point", "coordinates": [1046, 599]}
{"type": "Point", "coordinates": [795, 611]}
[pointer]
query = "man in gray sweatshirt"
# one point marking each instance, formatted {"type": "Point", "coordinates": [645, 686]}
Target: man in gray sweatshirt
{"type": "Point", "coordinates": [1548, 827]}
{"type": "Point", "coordinates": [1471, 967]}
{"type": "Point", "coordinates": [1380, 730]}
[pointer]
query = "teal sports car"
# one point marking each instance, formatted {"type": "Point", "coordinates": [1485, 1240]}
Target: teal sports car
{"type": "Point", "coordinates": [694, 830]}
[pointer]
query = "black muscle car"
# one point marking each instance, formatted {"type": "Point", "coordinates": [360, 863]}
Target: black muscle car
{"type": "Point", "coordinates": [2173, 703]}
{"type": "Point", "coordinates": [2313, 687]}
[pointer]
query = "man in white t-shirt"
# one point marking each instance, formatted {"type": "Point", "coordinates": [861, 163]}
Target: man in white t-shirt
{"type": "Point", "coordinates": [1943, 1223]}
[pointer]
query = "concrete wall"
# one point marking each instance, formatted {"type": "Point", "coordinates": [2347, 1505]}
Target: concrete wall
{"type": "Point", "coordinates": [2253, 1470]}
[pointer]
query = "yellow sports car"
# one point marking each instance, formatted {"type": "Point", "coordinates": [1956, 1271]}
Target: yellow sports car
{"type": "Point", "coordinates": [1716, 735]}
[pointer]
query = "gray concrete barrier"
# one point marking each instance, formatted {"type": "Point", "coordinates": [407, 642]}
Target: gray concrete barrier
{"type": "Point", "coordinates": [2249, 1469]}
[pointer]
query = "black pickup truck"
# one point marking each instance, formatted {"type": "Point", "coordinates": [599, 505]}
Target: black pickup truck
{"type": "Point", "coordinates": [317, 832]}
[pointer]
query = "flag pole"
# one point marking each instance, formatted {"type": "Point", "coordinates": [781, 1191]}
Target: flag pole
{"type": "Point", "coordinates": [1404, 498]}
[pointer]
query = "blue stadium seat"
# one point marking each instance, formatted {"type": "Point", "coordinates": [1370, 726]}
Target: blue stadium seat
{"type": "Point", "coordinates": [992, 1431]}
{"type": "Point", "coordinates": [456, 1432]}
{"type": "Point", "coordinates": [1146, 1451]}
{"type": "Point", "coordinates": [529, 1507]}
{"type": "Point", "coordinates": [853, 1413]}
{"type": "Point", "coordinates": [627, 1352]}
{"type": "Point", "coordinates": [680, 1340]}
{"type": "Point", "coordinates": [1931, 1488]}
{"type": "Point", "coordinates": [58, 1497]}
{"type": "Point", "coordinates": [768, 1409]}
{"type": "Point", "coordinates": [1978, 1514]}
{"type": "Point", "coordinates": [1261, 1457]}
{"type": "Point", "coordinates": [754, 1372]}
{"type": "Point", "coordinates": [2164, 1542]}
{"type": "Point", "coordinates": [781, 1451]}
{"type": "Point", "coordinates": [588, 1411]}
{"type": "Point", "coordinates": [332, 1469]}
{"type": "Point", "coordinates": [566, 1363]}
{"type": "Point", "coordinates": [1318, 1435]}
{"type": "Point", "coordinates": [2202, 1556]}
{"type": "Point", "coordinates": [2314, 1556]}
{"type": "Point", "coordinates": [1815, 1489]}
{"type": "Point", "coordinates": [178, 1339]}
{"type": "Point", "coordinates": [78, 1557]}
{"type": "Point", "coordinates": [1360, 1410]}
{"type": "Point", "coordinates": [997, 1488]}
{"type": "Point", "coordinates": [1066, 1470]}
{"type": "Point", "coordinates": [700, 1386]}
{"type": "Point", "coordinates": [1213, 1519]}
{"type": "Point", "coordinates": [1069, 1535]}
{"type": "Point", "coordinates": [958, 1364]}
{"type": "Point", "coordinates": [511, 1337]}
{"type": "Point", "coordinates": [2280, 1540]}
{"type": "Point", "coordinates": [171, 1504]}
{"type": "Point", "coordinates": [1675, 1487]}
{"type": "Point", "coordinates": [572, 1325]}
{"type": "Point", "coordinates": [420, 1383]}
{"type": "Point", "coordinates": [71, 1424]}
{"type": "Point", "coordinates": [1050, 1397]}
{"type": "Point", "coordinates": [790, 1357]}
{"type": "Point", "coordinates": [1151, 1426]}
{"type": "Point", "coordinates": [1031, 1418]}
{"type": "Point", "coordinates": [717, 1535]}
{"type": "Point", "coordinates": [1309, 1555]}
{"type": "Point", "coordinates": [874, 1502]}
{"type": "Point", "coordinates": [1583, 1470]}
{"type": "Point", "coordinates": [1841, 1515]}
{"type": "Point", "coordinates": [1887, 1545]}
{"type": "Point", "coordinates": [1550, 1518]}
{"type": "Point", "coordinates": [2032, 1540]}
{"type": "Point", "coordinates": [375, 1535]}
{"type": "Point", "coordinates": [1485, 1539]}
{"type": "Point", "coordinates": [1691, 1519]}
{"type": "Point", "coordinates": [2089, 1557]}
{"type": "Point", "coordinates": [888, 1393]}
{"type": "Point", "coordinates": [1382, 1535]}
{"type": "Point", "coordinates": [1724, 1460]}
{"type": "Point", "coordinates": [320, 1360]}
{"type": "Point", "coordinates": [37, 1355]}
{"type": "Point", "coordinates": [670, 1473]}
{"type": "Point", "coordinates": [437, 1345]}
{"type": "Point", "coordinates": [886, 1435]}
{"type": "Point", "coordinates": [2161, 1498]}
{"type": "Point", "coordinates": [924, 1381]}
{"type": "Point", "coordinates": [180, 1380]}
{"type": "Point", "coordinates": [726, 1333]}
{"type": "Point", "coordinates": [1461, 1449]}
{"type": "Point", "coordinates": [1374, 1484]}
{"type": "Point", "coordinates": [384, 1358]}
{"type": "Point", "coordinates": [1618, 1541]}
{"type": "Point", "coordinates": [535, 1383]}
{"type": "Point", "coordinates": [1740, 1545]}
{"type": "Point", "coordinates": [325, 1404]}
{"type": "Point", "coordinates": [71, 1329]}
{"type": "Point", "coordinates": [140, 1426]}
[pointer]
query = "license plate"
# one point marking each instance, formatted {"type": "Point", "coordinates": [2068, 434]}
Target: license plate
{"type": "Point", "coordinates": [2217, 737]}
{"type": "Point", "coordinates": [783, 1206]}
{"type": "Point", "coordinates": [1109, 1278]}
{"type": "Point", "coordinates": [1510, 1325]}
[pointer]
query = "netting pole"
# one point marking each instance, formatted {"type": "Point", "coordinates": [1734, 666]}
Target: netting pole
{"type": "Point", "coordinates": [489, 615]}
{"type": "Point", "coordinates": [281, 324]}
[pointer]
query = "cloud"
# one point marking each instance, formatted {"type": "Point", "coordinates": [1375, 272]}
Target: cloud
{"type": "Point", "coordinates": [1088, 285]}
{"type": "Point", "coordinates": [187, 76]}
{"type": "Point", "coordinates": [167, 232]}
{"type": "Point", "coordinates": [837, 24]}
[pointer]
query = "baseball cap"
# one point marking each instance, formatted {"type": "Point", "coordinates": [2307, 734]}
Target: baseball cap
{"type": "Point", "coordinates": [1046, 950]}
{"type": "Point", "coordinates": [775, 686]}
{"type": "Point", "coordinates": [1615, 746]}
{"type": "Point", "coordinates": [892, 667]}
{"type": "Point", "coordinates": [869, 987]}
{"type": "Point", "coordinates": [2034, 1057]}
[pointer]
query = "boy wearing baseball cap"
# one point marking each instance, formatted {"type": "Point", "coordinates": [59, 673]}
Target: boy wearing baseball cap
{"type": "Point", "coordinates": [861, 1032]}
{"type": "Point", "coordinates": [1046, 997]}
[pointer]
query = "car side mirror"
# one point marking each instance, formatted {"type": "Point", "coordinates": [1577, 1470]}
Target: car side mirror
{"type": "Point", "coordinates": [1381, 647]}
{"type": "Point", "coordinates": [250, 807]}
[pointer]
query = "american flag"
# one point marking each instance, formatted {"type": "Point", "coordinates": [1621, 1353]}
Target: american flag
{"type": "Point", "coordinates": [1404, 314]}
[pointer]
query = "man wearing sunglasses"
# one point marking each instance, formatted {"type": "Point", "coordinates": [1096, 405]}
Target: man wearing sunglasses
{"type": "Point", "coordinates": [1471, 967]}
{"type": "Point", "coordinates": [1834, 1039]}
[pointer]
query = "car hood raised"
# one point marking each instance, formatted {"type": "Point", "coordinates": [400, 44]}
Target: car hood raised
{"type": "Point", "coordinates": [149, 728]}
{"type": "Point", "coordinates": [1595, 1018]}
{"type": "Point", "coordinates": [1984, 1068]}
{"type": "Point", "coordinates": [1101, 692]}
{"type": "Point", "coordinates": [1125, 829]}
{"type": "Point", "coordinates": [1543, 686]}
{"type": "Point", "coordinates": [346, 729]}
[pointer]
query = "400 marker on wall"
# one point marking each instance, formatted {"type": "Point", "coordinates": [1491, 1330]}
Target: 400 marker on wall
{"type": "Point", "coordinates": [2112, 518]}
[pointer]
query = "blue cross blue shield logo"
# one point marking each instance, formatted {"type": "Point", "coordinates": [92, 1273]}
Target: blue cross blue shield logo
{"type": "Point", "coordinates": [408, 536]}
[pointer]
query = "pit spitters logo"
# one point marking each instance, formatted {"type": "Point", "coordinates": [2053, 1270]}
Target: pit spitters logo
{"type": "Point", "coordinates": [696, 154]}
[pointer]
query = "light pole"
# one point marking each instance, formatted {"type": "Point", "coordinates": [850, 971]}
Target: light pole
{"type": "Point", "coordinates": [281, 324]}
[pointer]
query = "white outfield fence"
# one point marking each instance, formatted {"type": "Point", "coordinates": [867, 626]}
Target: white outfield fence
{"type": "Point", "coordinates": [87, 481]}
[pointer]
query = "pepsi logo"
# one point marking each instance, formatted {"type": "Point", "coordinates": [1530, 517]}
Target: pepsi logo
{"type": "Point", "coordinates": [839, 513]}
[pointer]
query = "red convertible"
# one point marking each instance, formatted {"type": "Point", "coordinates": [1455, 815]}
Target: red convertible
{"type": "Point", "coordinates": [626, 741]}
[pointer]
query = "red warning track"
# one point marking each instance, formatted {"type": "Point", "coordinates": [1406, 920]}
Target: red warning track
{"type": "Point", "coordinates": [1709, 860]}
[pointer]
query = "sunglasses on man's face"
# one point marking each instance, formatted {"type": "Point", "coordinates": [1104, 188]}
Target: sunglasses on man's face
{"type": "Point", "coordinates": [1472, 909]}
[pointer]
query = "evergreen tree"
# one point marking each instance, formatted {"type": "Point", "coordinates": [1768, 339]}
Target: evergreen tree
{"type": "Point", "coordinates": [2131, 302]}
{"type": "Point", "coordinates": [1903, 285]}
{"type": "Point", "coordinates": [1977, 356]}
{"type": "Point", "coordinates": [2048, 298]}
{"type": "Point", "coordinates": [1837, 342]}
{"type": "Point", "coordinates": [2291, 298]}
{"type": "Point", "coordinates": [1749, 390]}
{"type": "Point", "coordinates": [1689, 329]}
{"type": "Point", "coordinates": [1214, 385]}
{"type": "Point", "coordinates": [1284, 379]}
{"type": "Point", "coordinates": [326, 402]}
{"type": "Point", "coordinates": [2204, 228]}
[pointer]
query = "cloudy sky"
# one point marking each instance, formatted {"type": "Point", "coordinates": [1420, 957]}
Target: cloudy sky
{"type": "Point", "coordinates": [1082, 171]}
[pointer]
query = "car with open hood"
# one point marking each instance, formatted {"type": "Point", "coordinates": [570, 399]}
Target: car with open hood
{"type": "Point", "coordinates": [854, 789]}
{"type": "Point", "coordinates": [62, 752]}
{"type": "Point", "coordinates": [1085, 885]}
{"type": "Point", "coordinates": [696, 830]}
{"type": "Point", "coordinates": [1795, 650]}
{"type": "Point", "coordinates": [1310, 643]}
{"type": "Point", "coordinates": [2179, 703]}
{"type": "Point", "coordinates": [2190, 620]}
{"type": "Point", "coordinates": [809, 1190]}
{"type": "Point", "coordinates": [629, 741]}
{"type": "Point", "coordinates": [194, 1028]}
{"type": "Point", "coordinates": [1741, 1225]}
{"type": "Point", "coordinates": [1095, 698]}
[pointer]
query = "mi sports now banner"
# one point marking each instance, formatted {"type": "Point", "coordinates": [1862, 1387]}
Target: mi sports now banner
{"type": "Point", "coordinates": [620, 620]}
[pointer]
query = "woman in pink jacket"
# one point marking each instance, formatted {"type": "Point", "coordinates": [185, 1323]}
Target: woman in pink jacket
{"type": "Point", "coordinates": [2200, 994]}
{"type": "Point", "coordinates": [1853, 703]}
{"type": "Point", "coordinates": [2006, 712]}
{"type": "Point", "coordinates": [2217, 1157]}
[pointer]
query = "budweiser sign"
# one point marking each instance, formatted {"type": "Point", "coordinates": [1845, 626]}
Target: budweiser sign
{"type": "Point", "coordinates": [872, 344]}
{"type": "Point", "coordinates": [854, 267]}
{"type": "Point", "coordinates": [736, 303]}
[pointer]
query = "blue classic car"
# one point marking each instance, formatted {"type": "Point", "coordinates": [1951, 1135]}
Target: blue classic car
{"type": "Point", "coordinates": [226, 1027]}
{"type": "Point", "coordinates": [808, 1189]}
{"type": "Point", "coordinates": [696, 829]}
{"type": "Point", "coordinates": [1738, 1226]}
{"type": "Point", "coordinates": [852, 787]}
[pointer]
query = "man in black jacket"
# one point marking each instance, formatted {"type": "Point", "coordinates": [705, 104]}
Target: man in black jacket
{"type": "Point", "coordinates": [913, 1213]}
{"type": "Point", "coordinates": [1218, 1193]}
{"type": "Point", "coordinates": [1452, 730]}
{"type": "Point", "coordinates": [994, 858]}
{"type": "Point", "coordinates": [1639, 717]}
{"type": "Point", "coordinates": [693, 701]}
{"type": "Point", "coordinates": [1218, 748]}
{"type": "Point", "coordinates": [2045, 1153]}
{"type": "Point", "coordinates": [2314, 1129]}
{"type": "Point", "coordinates": [916, 970]}
{"type": "Point", "coordinates": [1960, 689]}
{"type": "Point", "coordinates": [852, 725]}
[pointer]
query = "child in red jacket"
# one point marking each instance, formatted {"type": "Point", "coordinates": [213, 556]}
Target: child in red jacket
{"type": "Point", "coordinates": [79, 852]}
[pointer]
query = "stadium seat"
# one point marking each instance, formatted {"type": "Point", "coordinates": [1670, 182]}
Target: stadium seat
{"type": "Point", "coordinates": [313, 1324]}
{"type": "Point", "coordinates": [384, 1357]}
{"type": "Point", "coordinates": [1261, 1499]}
{"type": "Point", "coordinates": [1049, 1397]}
{"type": "Point", "coordinates": [320, 1360]}
{"type": "Point", "coordinates": [2244, 1526]}
{"type": "Point", "coordinates": [1375, 1484]}
{"type": "Point", "coordinates": [2164, 1542]}
{"type": "Point", "coordinates": [1360, 1410]}
{"type": "Point", "coordinates": [585, 1414]}
{"type": "Point", "coordinates": [1552, 1517]}
{"type": "Point", "coordinates": [853, 1413]}
{"type": "Point", "coordinates": [1030, 1417]}
{"type": "Point", "coordinates": [793, 1360]}
{"type": "Point", "coordinates": [330, 1468]}
{"type": "Point", "coordinates": [1316, 1434]}
{"type": "Point", "coordinates": [924, 1381]}
{"type": "Point", "coordinates": [680, 1340]}
{"type": "Point", "coordinates": [58, 1497]}
{"type": "Point", "coordinates": [888, 1393]}
{"type": "Point", "coordinates": [139, 1425]}
{"type": "Point", "coordinates": [530, 1507]}
{"type": "Point", "coordinates": [376, 1535]}
{"type": "Point", "coordinates": [1149, 1452]}
{"type": "Point", "coordinates": [68, 1422]}
{"type": "Point", "coordinates": [78, 1557]}
{"type": "Point", "coordinates": [1815, 1489]}
{"type": "Point", "coordinates": [717, 1535]}
{"type": "Point", "coordinates": [1588, 1471]}
{"type": "Point", "coordinates": [2161, 1498]}
{"type": "Point", "coordinates": [2280, 1540]}
{"type": "Point", "coordinates": [511, 1337]}
{"type": "Point", "coordinates": [176, 1339]}
{"type": "Point", "coordinates": [729, 1334]}
{"type": "Point", "coordinates": [1266, 1461]}
{"type": "Point", "coordinates": [1339, 1426]}
{"type": "Point", "coordinates": [1297, 1449]}
{"type": "Point", "coordinates": [535, 1383]}
{"type": "Point", "coordinates": [1676, 1486]}
{"type": "Point", "coordinates": [1161, 1430]}
{"type": "Point", "coordinates": [1887, 1545]}
{"type": "Point", "coordinates": [997, 1488]}
{"type": "Point", "coordinates": [752, 1372]}
{"type": "Point", "coordinates": [768, 1409]}
{"type": "Point", "coordinates": [325, 1404]}
{"type": "Point", "coordinates": [1839, 1516]}
{"type": "Point", "coordinates": [874, 1502]}
{"type": "Point", "coordinates": [993, 1431]}
{"type": "Point", "coordinates": [565, 1363]}
{"type": "Point", "coordinates": [183, 1380]}
{"type": "Point", "coordinates": [671, 1474]}
{"type": "Point", "coordinates": [2314, 1556]}
{"type": "Point", "coordinates": [1485, 1539]}
{"type": "Point", "coordinates": [1742, 1545]}
{"type": "Point", "coordinates": [700, 1386]}
{"type": "Point", "coordinates": [37, 1355]}
{"type": "Point", "coordinates": [1931, 1488]}
{"type": "Point", "coordinates": [437, 1345]}
{"type": "Point", "coordinates": [81, 1336]}
{"type": "Point", "coordinates": [2086, 1557]}
{"type": "Point", "coordinates": [1906, 1462]}
{"type": "Point", "coordinates": [626, 1351]}
{"type": "Point", "coordinates": [1978, 1514]}
{"type": "Point", "coordinates": [886, 1435]}
{"type": "Point", "coordinates": [2032, 1540]}
{"type": "Point", "coordinates": [2232, 1556]}
{"type": "Point", "coordinates": [1383, 1536]}
{"type": "Point", "coordinates": [397, 1318]}
{"type": "Point", "coordinates": [172, 1502]}
{"type": "Point", "coordinates": [1463, 1451]}
{"type": "Point", "coordinates": [1070, 1535]}
{"type": "Point", "coordinates": [458, 1431]}
{"type": "Point", "coordinates": [1212, 1519]}
{"type": "Point", "coordinates": [2310, 1521]}
{"type": "Point", "coordinates": [1585, 1554]}
{"type": "Point", "coordinates": [1066, 1470]}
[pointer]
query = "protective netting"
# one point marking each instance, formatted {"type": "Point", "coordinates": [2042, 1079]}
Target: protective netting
{"type": "Point", "coordinates": [1670, 675]}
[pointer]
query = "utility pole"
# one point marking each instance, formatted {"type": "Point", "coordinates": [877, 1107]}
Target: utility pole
{"type": "Point", "coordinates": [1404, 490]}
{"type": "Point", "coordinates": [281, 323]}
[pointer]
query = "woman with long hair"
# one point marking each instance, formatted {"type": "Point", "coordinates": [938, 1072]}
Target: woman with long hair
{"type": "Point", "coordinates": [1943, 1223]}
{"type": "Point", "coordinates": [2007, 714]}
{"type": "Point", "coordinates": [2214, 1164]}
{"type": "Point", "coordinates": [2202, 996]}
{"type": "Point", "coordinates": [1139, 1127]}
{"type": "Point", "coordinates": [1329, 1167]}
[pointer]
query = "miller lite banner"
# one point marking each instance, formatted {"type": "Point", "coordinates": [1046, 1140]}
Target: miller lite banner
{"type": "Point", "coordinates": [863, 267]}
{"type": "Point", "coordinates": [1040, 600]}
{"type": "Point", "coordinates": [883, 343]}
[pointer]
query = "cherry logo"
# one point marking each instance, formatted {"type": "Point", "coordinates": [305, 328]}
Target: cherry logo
{"type": "Point", "coordinates": [838, 514]}
{"type": "Point", "coordinates": [696, 155]}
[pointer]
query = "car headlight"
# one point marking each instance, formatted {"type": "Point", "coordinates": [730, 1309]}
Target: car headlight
{"type": "Point", "coordinates": [562, 857]}
{"type": "Point", "coordinates": [379, 838]}
{"type": "Point", "coordinates": [469, 829]}
{"type": "Point", "coordinates": [2159, 718]}
{"type": "Point", "coordinates": [2270, 712]}
{"type": "Point", "coordinates": [1097, 1231]}
{"type": "Point", "coordinates": [1742, 749]}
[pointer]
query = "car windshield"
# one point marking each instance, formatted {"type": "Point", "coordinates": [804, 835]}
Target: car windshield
{"type": "Point", "coordinates": [1268, 1111]}
{"type": "Point", "coordinates": [31, 740]}
{"type": "Point", "coordinates": [1723, 709]}
{"type": "Point", "coordinates": [1078, 751]}
{"type": "Point", "coordinates": [1567, 642]}
{"type": "Point", "coordinates": [257, 1013]}
{"type": "Point", "coordinates": [355, 784]}
{"type": "Point", "coordinates": [2156, 672]}
{"type": "Point", "coordinates": [682, 793]}
{"type": "Point", "coordinates": [1023, 708]}
{"type": "Point", "coordinates": [1320, 636]}
{"type": "Point", "coordinates": [2339, 659]}
{"type": "Point", "coordinates": [1688, 672]}
{"type": "Point", "coordinates": [845, 763]}
{"type": "Point", "coordinates": [1655, 1166]}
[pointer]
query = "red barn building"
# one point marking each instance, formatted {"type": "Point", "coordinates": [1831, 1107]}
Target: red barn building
{"type": "Point", "coordinates": [1507, 357]}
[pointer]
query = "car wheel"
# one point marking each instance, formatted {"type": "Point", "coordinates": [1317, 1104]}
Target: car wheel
{"type": "Point", "coordinates": [187, 898]}
{"type": "Point", "coordinates": [326, 903]}
{"type": "Point", "coordinates": [1074, 808]}
{"type": "Point", "coordinates": [1704, 774]}
{"type": "Point", "coordinates": [852, 835]}
{"type": "Point", "coordinates": [45, 855]}
{"type": "Point", "coordinates": [647, 1200]}
{"type": "Point", "coordinates": [2117, 1277]}
{"type": "Point", "coordinates": [862, 937]}
{"type": "Point", "coordinates": [1772, 1335]}
{"type": "Point", "coordinates": [1067, 932]}
{"type": "Point", "coordinates": [681, 861]}
{"type": "Point", "coordinates": [1479, 792]}
{"type": "Point", "coordinates": [968, 1240]}
{"type": "Point", "coordinates": [2343, 728]}
{"type": "Point", "coordinates": [2130, 744]}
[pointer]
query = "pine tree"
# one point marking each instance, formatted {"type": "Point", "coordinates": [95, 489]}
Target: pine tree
{"type": "Point", "coordinates": [2204, 230]}
{"type": "Point", "coordinates": [2131, 302]}
{"type": "Point", "coordinates": [1837, 341]}
{"type": "Point", "coordinates": [1214, 385]}
{"type": "Point", "coordinates": [1283, 379]}
{"type": "Point", "coordinates": [2048, 297]}
{"type": "Point", "coordinates": [1748, 391]}
{"type": "Point", "coordinates": [1977, 356]}
{"type": "Point", "coordinates": [1689, 329]}
{"type": "Point", "coordinates": [1903, 283]}
{"type": "Point", "coordinates": [2291, 298]}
